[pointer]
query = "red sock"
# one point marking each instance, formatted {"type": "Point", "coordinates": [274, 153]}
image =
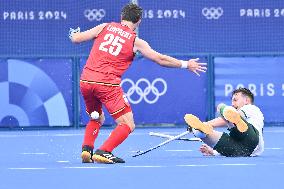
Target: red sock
{"type": "Point", "coordinates": [91, 133]}
{"type": "Point", "coordinates": [117, 136]}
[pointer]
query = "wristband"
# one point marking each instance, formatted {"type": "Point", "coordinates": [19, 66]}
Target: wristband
{"type": "Point", "coordinates": [183, 64]}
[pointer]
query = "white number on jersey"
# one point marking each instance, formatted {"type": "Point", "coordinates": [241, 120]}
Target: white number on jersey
{"type": "Point", "coordinates": [112, 44]}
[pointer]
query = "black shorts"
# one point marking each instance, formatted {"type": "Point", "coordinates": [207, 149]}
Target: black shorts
{"type": "Point", "coordinates": [238, 144]}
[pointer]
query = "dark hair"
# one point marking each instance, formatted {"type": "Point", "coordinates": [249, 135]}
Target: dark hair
{"type": "Point", "coordinates": [131, 12]}
{"type": "Point", "coordinates": [245, 92]}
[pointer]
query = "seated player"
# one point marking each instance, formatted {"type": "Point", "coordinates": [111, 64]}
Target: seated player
{"type": "Point", "coordinates": [245, 122]}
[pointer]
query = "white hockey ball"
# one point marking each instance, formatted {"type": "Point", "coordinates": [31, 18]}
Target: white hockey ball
{"type": "Point", "coordinates": [95, 115]}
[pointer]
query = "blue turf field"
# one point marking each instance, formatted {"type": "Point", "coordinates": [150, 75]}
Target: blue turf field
{"type": "Point", "coordinates": [51, 159]}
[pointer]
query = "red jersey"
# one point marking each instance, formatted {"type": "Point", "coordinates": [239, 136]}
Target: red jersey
{"type": "Point", "coordinates": [111, 54]}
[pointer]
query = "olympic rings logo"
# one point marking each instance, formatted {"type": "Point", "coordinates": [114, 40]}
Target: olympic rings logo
{"type": "Point", "coordinates": [212, 12]}
{"type": "Point", "coordinates": [94, 14]}
{"type": "Point", "coordinates": [149, 94]}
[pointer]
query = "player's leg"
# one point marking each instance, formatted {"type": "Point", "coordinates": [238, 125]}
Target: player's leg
{"type": "Point", "coordinates": [117, 136]}
{"type": "Point", "coordinates": [244, 131]}
{"type": "Point", "coordinates": [121, 111]}
{"type": "Point", "coordinates": [203, 131]}
{"type": "Point", "coordinates": [93, 126]}
{"type": "Point", "coordinates": [249, 138]}
{"type": "Point", "coordinates": [237, 143]}
{"type": "Point", "coordinates": [90, 135]}
{"type": "Point", "coordinates": [230, 147]}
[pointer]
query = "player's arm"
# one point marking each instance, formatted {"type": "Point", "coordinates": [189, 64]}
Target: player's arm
{"type": "Point", "coordinates": [167, 61]}
{"type": "Point", "coordinates": [208, 151]}
{"type": "Point", "coordinates": [78, 37]}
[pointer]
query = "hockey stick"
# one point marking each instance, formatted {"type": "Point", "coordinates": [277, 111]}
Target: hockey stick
{"type": "Point", "coordinates": [170, 136]}
{"type": "Point", "coordinates": [159, 145]}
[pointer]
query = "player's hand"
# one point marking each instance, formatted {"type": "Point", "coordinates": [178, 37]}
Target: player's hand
{"type": "Point", "coordinates": [206, 150]}
{"type": "Point", "coordinates": [220, 108]}
{"type": "Point", "coordinates": [72, 32]}
{"type": "Point", "coordinates": [197, 67]}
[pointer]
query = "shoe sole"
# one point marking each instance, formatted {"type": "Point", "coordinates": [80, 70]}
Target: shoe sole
{"type": "Point", "coordinates": [101, 159]}
{"type": "Point", "coordinates": [234, 117]}
{"type": "Point", "coordinates": [195, 123]}
{"type": "Point", "coordinates": [86, 157]}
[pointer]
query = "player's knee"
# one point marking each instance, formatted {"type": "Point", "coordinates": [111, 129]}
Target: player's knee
{"type": "Point", "coordinates": [131, 126]}
{"type": "Point", "coordinates": [125, 117]}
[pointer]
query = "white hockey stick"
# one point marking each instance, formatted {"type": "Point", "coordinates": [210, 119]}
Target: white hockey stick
{"type": "Point", "coordinates": [159, 145]}
{"type": "Point", "coordinates": [162, 135]}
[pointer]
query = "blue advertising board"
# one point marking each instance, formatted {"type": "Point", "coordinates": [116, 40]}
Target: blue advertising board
{"type": "Point", "coordinates": [262, 75]}
{"type": "Point", "coordinates": [217, 26]}
{"type": "Point", "coordinates": [41, 27]}
{"type": "Point", "coordinates": [35, 92]}
{"type": "Point", "coordinates": [161, 95]}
